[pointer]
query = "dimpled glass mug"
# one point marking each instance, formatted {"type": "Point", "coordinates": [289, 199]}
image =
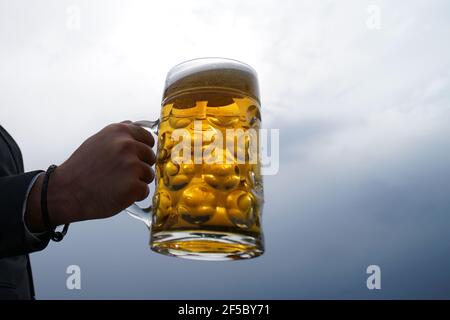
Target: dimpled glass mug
{"type": "Point", "coordinates": [208, 199]}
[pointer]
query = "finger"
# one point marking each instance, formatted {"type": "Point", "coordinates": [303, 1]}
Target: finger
{"type": "Point", "coordinates": [143, 191]}
{"type": "Point", "coordinates": [145, 153]}
{"type": "Point", "coordinates": [142, 135]}
{"type": "Point", "coordinates": [147, 174]}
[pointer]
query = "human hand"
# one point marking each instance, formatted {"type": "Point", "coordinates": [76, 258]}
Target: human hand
{"type": "Point", "coordinates": [106, 174]}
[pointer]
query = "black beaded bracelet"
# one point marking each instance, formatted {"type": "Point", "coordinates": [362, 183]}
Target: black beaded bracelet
{"type": "Point", "coordinates": [54, 235]}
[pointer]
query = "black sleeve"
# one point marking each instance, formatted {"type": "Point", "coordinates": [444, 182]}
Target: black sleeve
{"type": "Point", "coordinates": [13, 192]}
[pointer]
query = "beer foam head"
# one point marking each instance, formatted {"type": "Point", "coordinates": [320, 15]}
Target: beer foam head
{"type": "Point", "coordinates": [213, 73]}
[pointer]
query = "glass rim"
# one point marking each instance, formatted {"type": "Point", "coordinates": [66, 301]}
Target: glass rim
{"type": "Point", "coordinates": [246, 75]}
{"type": "Point", "coordinates": [231, 60]}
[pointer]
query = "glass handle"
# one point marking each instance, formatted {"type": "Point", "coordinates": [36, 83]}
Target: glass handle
{"type": "Point", "coordinates": [152, 125]}
{"type": "Point", "coordinates": [144, 214]}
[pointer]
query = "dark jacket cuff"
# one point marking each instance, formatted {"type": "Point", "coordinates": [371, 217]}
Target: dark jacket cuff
{"type": "Point", "coordinates": [13, 193]}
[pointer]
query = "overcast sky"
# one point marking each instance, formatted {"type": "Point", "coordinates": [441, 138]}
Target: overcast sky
{"type": "Point", "coordinates": [363, 111]}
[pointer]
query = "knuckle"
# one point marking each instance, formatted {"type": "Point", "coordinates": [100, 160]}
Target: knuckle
{"type": "Point", "coordinates": [109, 128]}
{"type": "Point", "coordinates": [133, 166]}
{"type": "Point", "coordinates": [130, 167]}
{"type": "Point", "coordinates": [120, 127]}
{"type": "Point", "coordinates": [127, 146]}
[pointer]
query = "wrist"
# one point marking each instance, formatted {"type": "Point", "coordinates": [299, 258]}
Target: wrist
{"type": "Point", "coordinates": [60, 200]}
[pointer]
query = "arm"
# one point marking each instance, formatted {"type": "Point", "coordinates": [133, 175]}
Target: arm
{"type": "Point", "coordinates": [106, 174]}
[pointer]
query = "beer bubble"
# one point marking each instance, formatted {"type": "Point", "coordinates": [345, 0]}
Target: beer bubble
{"type": "Point", "coordinates": [197, 205]}
{"type": "Point", "coordinates": [175, 176]}
{"type": "Point", "coordinates": [222, 176]}
{"type": "Point", "coordinates": [240, 208]}
{"type": "Point", "coordinates": [162, 203]}
{"type": "Point", "coordinates": [178, 123]}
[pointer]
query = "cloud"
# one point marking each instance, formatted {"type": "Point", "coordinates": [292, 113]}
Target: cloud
{"type": "Point", "coordinates": [363, 118]}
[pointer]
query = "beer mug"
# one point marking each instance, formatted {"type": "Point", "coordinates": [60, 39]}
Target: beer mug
{"type": "Point", "coordinates": [208, 197]}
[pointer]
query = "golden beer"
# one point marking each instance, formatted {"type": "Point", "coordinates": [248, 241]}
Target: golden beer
{"type": "Point", "coordinates": [203, 209]}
